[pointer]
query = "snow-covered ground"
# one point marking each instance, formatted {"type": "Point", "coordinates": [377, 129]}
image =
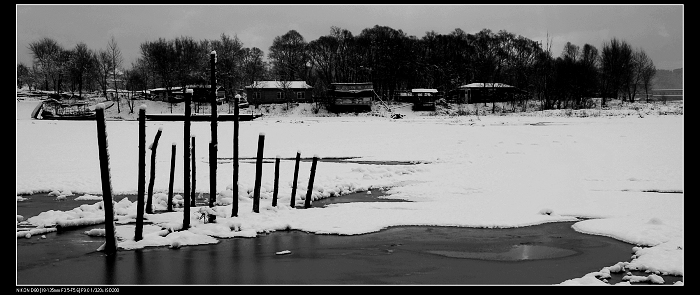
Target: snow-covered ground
{"type": "Point", "coordinates": [619, 173]}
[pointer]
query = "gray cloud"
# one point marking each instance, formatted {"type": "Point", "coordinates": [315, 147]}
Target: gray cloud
{"type": "Point", "coordinates": [258, 25]}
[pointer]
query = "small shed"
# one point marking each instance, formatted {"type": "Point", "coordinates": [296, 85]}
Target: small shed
{"type": "Point", "coordinates": [349, 97]}
{"type": "Point", "coordinates": [424, 98]}
{"type": "Point", "coordinates": [261, 92]}
{"type": "Point", "coordinates": [665, 94]}
{"type": "Point", "coordinates": [203, 93]}
{"type": "Point", "coordinates": [173, 95]}
{"type": "Point", "coordinates": [488, 92]}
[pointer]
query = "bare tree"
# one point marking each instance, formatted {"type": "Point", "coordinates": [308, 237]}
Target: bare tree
{"type": "Point", "coordinates": [544, 74]}
{"type": "Point", "coordinates": [322, 54]}
{"type": "Point", "coordinates": [288, 56]}
{"type": "Point", "coordinates": [646, 73]}
{"type": "Point", "coordinates": [616, 69]}
{"type": "Point", "coordinates": [104, 65]}
{"type": "Point", "coordinates": [347, 58]}
{"type": "Point", "coordinates": [589, 62]}
{"type": "Point", "coordinates": [47, 56]}
{"type": "Point", "coordinates": [35, 76]}
{"type": "Point", "coordinates": [190, 57]}
{"type": "Point", "coordinates": [115, 56]}
{"type": "Point", "coordinates": [82, 63]}
{"type": "Point", "coordinates": [285, 89]}
{"type": "Point", "coordinates": [161, 57]}
{"type": "Point", "coordinates": [253, 65]}
{"type": "Point", "coordinates": [230, 55]}
{"type": "Point", "coordinates": [634, 79]}
{"type": "Point", "coordinates": [135, 80]}
{"type": "Point", "coordinates": [23, 75]}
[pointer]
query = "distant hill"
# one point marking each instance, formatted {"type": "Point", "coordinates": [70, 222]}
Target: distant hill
{"type": "Point", "coordinates": [666, 79]}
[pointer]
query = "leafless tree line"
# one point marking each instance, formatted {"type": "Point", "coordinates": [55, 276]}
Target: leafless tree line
{"type": "Point", "coordinates": [392, 60]}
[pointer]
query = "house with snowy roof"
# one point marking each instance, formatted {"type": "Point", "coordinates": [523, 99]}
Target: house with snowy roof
{"type": "Point", "coordinates": [488, 92]}
{"type": "Point", "coordinates": [261, 92]}
{"type": "Point", "coordinates": [424, 98]}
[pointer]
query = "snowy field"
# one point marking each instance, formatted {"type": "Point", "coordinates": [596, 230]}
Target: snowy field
{"type": "Point", "coordinates": [618, 175]}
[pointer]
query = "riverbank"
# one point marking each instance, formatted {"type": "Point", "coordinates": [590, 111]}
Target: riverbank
{"type": "Point", "coordinates": [473, 172]}
{"type": "Point", "coordinates": [128, 110]}
{"type": "Point", "coordinates": [543, 254]}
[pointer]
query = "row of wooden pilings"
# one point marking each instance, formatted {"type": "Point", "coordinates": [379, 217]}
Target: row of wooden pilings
{"type": "Point", "coordinates": [189, 201]}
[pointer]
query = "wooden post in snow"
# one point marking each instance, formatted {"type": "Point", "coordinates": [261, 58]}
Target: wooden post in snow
{"type": "Point", "coordinates": [234, 205]}
{"type": "Point", "coordinates": [277, 180]}
{"type": "Point", "coordinates": [212, 173]}
{"type": "Point", "coordinates": [292, 203]}
{"type": "Point", "coordinates": [138, 235]}
{"type": "Point", "coordinates": [213, 145]}
{"type": "Point", "coordinates": [186, 163]}
{"type": "Point", "coordinates": [111, 241]}
{"type": "Point", "coordinates": [307, 201]}
{"type": "Point", "coordinates": [153, 148]}
{"type": "Point", "coordinates": [194, 177]}
{"type": "Point", "coordinates": [172, 178]}
{"type": "Point", "coordinates": [258, 173]}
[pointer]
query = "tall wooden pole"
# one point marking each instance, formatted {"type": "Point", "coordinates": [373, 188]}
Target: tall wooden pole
{"type": "Point", "coordinates": [153, 148]}
{"type": "Point", "coordinates": [213, 146]}
{"type": "Point", "coordinates": [258, 173]}
{"type": "Point", "coordinates": [307, 201]}
{"type": "Point", "coordinates": [277, 180]}
{"type": "Point", "coordinates": [172, 178]}
{"type": "Point", "coordinates": [292, 203]}
{"type": "Point", "coordinates": [186, 163]}
{"type": "Point", "coordinates": [141, 174]}
{"type": "Point", "coordinates": [111, 241]}
{"type": "Point", "coordinates": [234, 205]}
{"type": "Point", "coordinates": [194, 176]}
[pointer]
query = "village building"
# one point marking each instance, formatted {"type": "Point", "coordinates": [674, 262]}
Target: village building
{"type": "Point", "coordinates": [203, 93]}
{"type": "Point", "coordinates": [121, 93]}
{"type": "Point", "coordinates": [177, 94]}
{"type": "Point", "coordinates": [487, 92]}
{"type": "Point", "coordinates": [351, 97]}
{"type": "Point", "coordinates": [262, 92]}
{"type": "Point", "coordinates": [424, 99]}
{"type": "Point", "coordinates": [660, 94]}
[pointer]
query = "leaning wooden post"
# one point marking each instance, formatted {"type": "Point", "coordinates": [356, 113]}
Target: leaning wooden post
{"type": "Point", "coordinates": [153, 148]}
{"type": "Point", "coordinates": [141, 174]}
{"type": "Point", "coordinates": [111, 243]}
{"type": "Point", "coordinates": [172, 178]}
{"type": "Point", "coordinates": [194, 176]}
{"type": "Point", "coordinates": [234, 205]}
{"type": "Point", "coordinates": [186, 155]}
{"type": "Point", "coordinates": [212, 173]}
{"type": "Point", "coordinates": [213, 145]}
{"type": "Point", "coordinates": [292, 203]}
{"type": "Point", "coordinates": [277, 180]}
{"type": "Point", "coordinates": [307, 201]}
{"type": "Point", "coordinates": [258, 173]}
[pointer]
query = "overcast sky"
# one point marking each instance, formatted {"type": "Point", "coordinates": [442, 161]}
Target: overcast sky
{"type": "Point", "coordinates": [657, 29]}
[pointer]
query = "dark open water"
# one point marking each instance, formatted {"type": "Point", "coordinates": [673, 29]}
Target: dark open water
{"type": "Point", "coordinates": [408, 255]}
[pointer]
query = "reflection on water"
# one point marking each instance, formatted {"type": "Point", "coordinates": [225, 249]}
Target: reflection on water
{"type": "Point", "coordinates": [398, 255]}
{"type": "Point", "coordinates": [515, 253]}
{"type": "Point", "coordinates": [373, 195]}
{"type": "Point", "coordinates": [110, 271]}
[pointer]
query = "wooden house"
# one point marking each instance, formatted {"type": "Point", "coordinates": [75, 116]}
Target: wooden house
{"type": "Point", "coordinates": [424, 99]}
{"type": "Point", "coordinates": [487, 92]}
{"type": "Point", "coordinates": [203, 93]}
{"type": "Point", "coordinates": [351, 97]}
{"type": "Point", "coordinates": [173, 95]}
{"type": "Point", "coordinates": [661, 94]}
{"type": "Point", "coordinates": [199, 94]}
{"type": "Point", "coordinates": [262, 92]}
